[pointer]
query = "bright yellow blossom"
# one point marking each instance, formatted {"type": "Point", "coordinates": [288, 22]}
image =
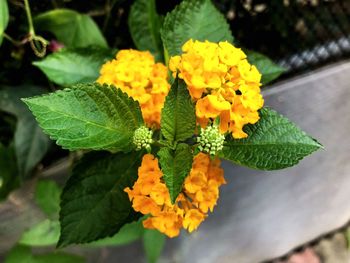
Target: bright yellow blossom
{"type": "Point", "coordinates": [136, 73]}
{"type": "Point", "coordinates": [150, 196]}
{"type": "Point", "coordinates": [222, 83]}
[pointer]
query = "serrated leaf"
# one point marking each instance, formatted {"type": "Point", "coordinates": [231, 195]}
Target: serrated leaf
{"type": "Point", "coordinates": [153, 244]}
{"type": "Point", "coordinates": [273, 143]}
{"type": "Point", "coordinates": [31, 144]}
{"type": "Point", "coordinates": [4, 18]}
{"type": "Point", "coordinates": [144, 25]}
{"type": "Point", "coordinates": [45, 233]}
{"type": "Point", "coordinates": [268, 69]}
{"type": "Point", "coordinates": [176, 165]}
{"type": "Point", "coordinates": [71, 66]}
{"type": "Point", "coordinates": [23, 254]}
{"type": "Point", "coordinates": [93, 203]}
{"type": "Point", "coordinates": [88, 116]}
{"type": "Point", "coordinates": [71, 28]}
{"type": "Point", "coordinates": [178, 119]}
{"type": "Point", "coordinates": [196, 19]}
{"type": "Point", "coordinates": [47, 197]}
{"type": "Point", "coordinates": [126, 235]}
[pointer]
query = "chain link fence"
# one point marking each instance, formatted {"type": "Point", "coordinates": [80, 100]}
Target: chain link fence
{"type": "Point", "coordinates": [298, 34]}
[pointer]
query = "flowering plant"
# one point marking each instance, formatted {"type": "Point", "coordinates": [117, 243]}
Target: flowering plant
{"type": "Point", "coordinates": [157, 122]}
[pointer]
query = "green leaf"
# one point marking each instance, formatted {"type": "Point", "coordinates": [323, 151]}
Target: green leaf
{"type": "Point", "coordinates": [126, 235]}
{"type": "Point", "coordinates": [88, 116]}
{"type": "Point", "coordinates": [47, 197]}
{"type": "Point", "coordinates": [176, 165]}
{"type": "Point", "coordinates": [45, 233]}
{"type": "Point", "coordinates": [4, 18]}
{"type": "Point", "coordinates": [268, 69]}
{"type": "Point", "coordinates": [196, 19]}
{"type": "Point", "coordinates": [153, 244]}
{"type": "Point", "coordinates": [31, 144]}
{"type": "Point", "coordinates": [144, 25]}
{"type": "Point", "coordinates": [23, 254]}
{"type": "Point", "coordinates": [178, 120]}
{"type": "Point", "coordinates": [9, 179]}
{"type": "Point", "coordinates": [273, 143]}
{"type": "Point", "coordinates": [71, 66]}
{"type": "Point", "coordinates": [93, 203]}
{"type": "Point", "coordinates": [71, 28]}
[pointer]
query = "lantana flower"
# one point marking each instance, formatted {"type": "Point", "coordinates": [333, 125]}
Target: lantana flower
{"type": "Point", "coordinates": [222, 82]}
{"type": "Point", "coordinates": [136, 73]}
{"type": "Point", "coordinates": [199, 195]}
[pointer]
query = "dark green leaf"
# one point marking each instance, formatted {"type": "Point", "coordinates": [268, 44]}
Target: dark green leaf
{"type": "Point", "coordinates": [144, 25]}
{"type": "Point", "coordinates": [71, 28]}
{"type": "Point", "coordinates": [93, 203]}
{"type": "Point", "coordinates": [23, 254]}
{"type": "Point", "coordinates": [178, 120]}
{"type": "Point", "coordinates": [72, 66]}
{"type": "Point", "coordinates": [126, 235]}
{"type": "Point", "coordinates": [176, 165]}
{"type": "Point", "coordinates": [47, 197]}
{"type": "Point", "coordinates": [268, 69]}
{"type": "Point", "coordinates": [45, 233]}
{"type": "Point", "coordinates": [88, 116]}
{"type": "Point", "coordinates": [31, 144]}
{"type": "Point", "coordinates": [4, 18]}
{"type": "Point", "coordinates": [196, 19]}
{"type": "Point", "coordinates": [273, 143]}
{"type": "Point", "coordinates": [9, 179]}
{"type": "Point", "coordinates": [153, 243]}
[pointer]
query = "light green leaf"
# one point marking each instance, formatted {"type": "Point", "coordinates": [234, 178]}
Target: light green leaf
{"type": "Point", "coordinates": [47, 197]}
{"type": "Point", "coordinates": [273, 143]}
{"type": "Point", "coordinates": [126, 235]}
{"type": "Point", "coordinates": [4, 18]}
{"type": "Point", "coordinates": [153, 244]}
{"type": "Point", "coordinates": [93, 203]}
{"type": "Point", "coordinates": [45, 233]}
{"type": "Point", "coordinates": [71, 28]}
{"type": "Point", "coordinates": [88, 116]}
{"type": "Point", "coordinates": [71, 66]}
{"type": "Point", "coordinates": [268, 69]}
{"type": "Point", "coordinates": [9, 179]}
{"type": "Point", "coordinates": [196, 19]}
{"type": "Point", "coordinates": [176, 165]}
{"type": "Point", "coordinates": [144, 25]}
{"type": "Point", "coordinates": [31, 144]}
{"type": "Point", "coordinates": [178, 120]}
{"type": "Point", "coordinates": [23, 254]}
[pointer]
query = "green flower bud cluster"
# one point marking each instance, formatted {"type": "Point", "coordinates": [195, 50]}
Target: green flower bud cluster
{"type": "Point", "coordinates": [143, 138]}
{"type": "Point", "coordinates": [210, 140]}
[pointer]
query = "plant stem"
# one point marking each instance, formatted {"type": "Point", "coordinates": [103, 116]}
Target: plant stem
{"type": "Point", "coordinates": [13, 41]}
{"type": "Point", "coordinates": [29, 17]}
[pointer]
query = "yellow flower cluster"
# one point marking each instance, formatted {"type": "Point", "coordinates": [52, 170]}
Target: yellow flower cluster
{"type": "Point", "coordinates": [222, 82]}
{"type": "Point", "coordinates": [150, 196]}
{"type": "Point", "coordinates": [137, 74]}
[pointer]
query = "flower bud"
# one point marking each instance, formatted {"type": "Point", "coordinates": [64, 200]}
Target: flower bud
{"type": "Point", "coordinates": [210, 140]}
{"type": "Point", "coordinates": [143, 138]}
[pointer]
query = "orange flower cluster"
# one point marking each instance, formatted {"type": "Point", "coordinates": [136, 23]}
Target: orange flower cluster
{"type": "Point", "coordinates": [137, 74]}
{"type": "Point", "coordinates": [150, 196]}
{"type": "Point", "coordinates": [222, 82]}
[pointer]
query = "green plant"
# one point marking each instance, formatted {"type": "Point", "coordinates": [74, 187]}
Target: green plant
{"type": "Point", "coordinates": [118, 131]}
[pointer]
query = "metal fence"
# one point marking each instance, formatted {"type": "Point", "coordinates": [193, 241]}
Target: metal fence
{"type": "Point", "coordinates": [297, 34]}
